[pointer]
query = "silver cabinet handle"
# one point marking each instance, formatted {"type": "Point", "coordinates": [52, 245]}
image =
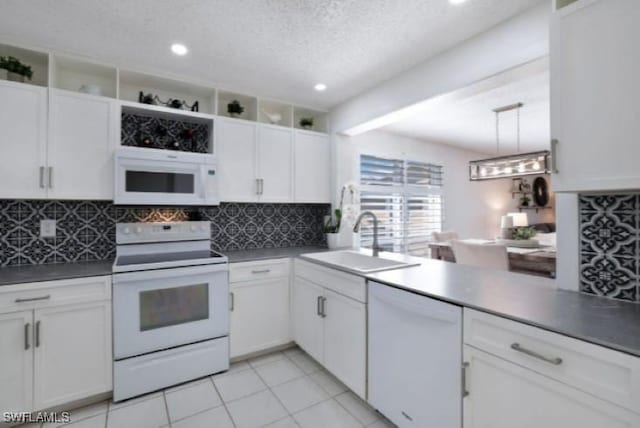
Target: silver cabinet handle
{"type": "Point", "coordinates": [323, 309]}
{"type": "Point", "coordinates": [42, 177]}
{"type": "Point", "coordinates": [27, 327]}
{"type": "Point", "coordinates": [554, 156]}
{"type": "Point", "coordinates": [232, 301]}
{"type": "Point", "coordinates": [555, 361]}
{"type": "Point", "coordinates": [257, 186]}
{"type": "Point", "coordinates": [261, 271]}
{"type": "Point", "coordinates": [319, 306]}
{"type": "Point", "coordinates": [50, 177]}
{"type": "Point", "coordinates": [262, 186]}
{"type": "Point", "coordinates": [465, 391]}
{"type": "Point", "coordinates": [32, 299]}
{"type": "Point", "coordinates": [37, 334]}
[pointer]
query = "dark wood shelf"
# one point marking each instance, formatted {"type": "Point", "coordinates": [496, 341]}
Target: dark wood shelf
{"type": "Point", "coordinates": [533, 207]}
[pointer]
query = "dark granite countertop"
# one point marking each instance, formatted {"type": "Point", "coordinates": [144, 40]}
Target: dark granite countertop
{"type": "Point", "coordinates": [524, 298]}
{"type": "Point", "coordinates": [51, 272]}
{"type": "Point", "coordinates": [270, 253]}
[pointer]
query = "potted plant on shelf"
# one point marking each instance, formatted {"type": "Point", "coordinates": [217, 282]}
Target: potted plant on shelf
{"type": "Point", "coordinates": [15, 70]}
{"type": "Point", "coordinates": [235, 109]}
{"type": "Point", "coordinates": [306, 122]}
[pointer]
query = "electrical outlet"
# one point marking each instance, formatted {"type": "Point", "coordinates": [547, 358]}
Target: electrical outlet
{"type": "Point", "coordinates": [47, 228]}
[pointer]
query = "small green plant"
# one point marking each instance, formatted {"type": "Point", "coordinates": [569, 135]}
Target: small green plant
{"type": "Point", "coordinates": [234, 107]}
{"type": "Point", "coordinates": [306, 122]}
{"type": "Point", "coordinates": [332, 225]}
{"type": "Point", "coordinates": [524, 233]}
{"type": "Point", "coordinates": [13, 65]}
{"type": "Point", "coordinates": [525, 200]}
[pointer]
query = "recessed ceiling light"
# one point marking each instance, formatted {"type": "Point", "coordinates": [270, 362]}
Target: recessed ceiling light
{"type": "Point", "coordinates": [457, 1]}
{"type": "Point", "coordinates": [320, 87]}
{"type": "Point", "coordinates": [179, 49]}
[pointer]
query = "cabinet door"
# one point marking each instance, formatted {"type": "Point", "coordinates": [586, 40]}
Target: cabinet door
{"type": "Point", "coordinates": [308, 325]}
{"type": "Point", "coordinates": [73, 354]}
{"type": "Point", "coordinates": [594, 93]}
{"type": "Point", "coordinates": [345, 340]}
{"type": "Point", "coordinates": [16, 355]}
{"type": "Point", "coordinates": [82, 136]}
{"type": "Point", "coordinates": [505, 395]}
{"type": "Point", "coordinates": [275, 163]}
{"type": "Point", "coordinates": [312, 167]}
{"type": "Point", "coordinates": [259, 315]}
{"type": "Point", "coordinates": [23, 127]}
{"type": "Point", "coordinates": [237, 160]}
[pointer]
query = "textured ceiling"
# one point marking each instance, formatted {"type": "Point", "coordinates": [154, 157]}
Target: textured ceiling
{"type": "Point", "coordinates": [273, 48]}
{"type": "Point", "coordinates": [465, 118]}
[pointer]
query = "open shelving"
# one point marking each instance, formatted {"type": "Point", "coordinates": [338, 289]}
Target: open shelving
{"type": "Point", "coordinates": [38, 61]}
{"type": "Point", "coordinates": [132, 83]}
{"type": "Point", "coordinates": [86, 77]}
{"type": "Point", "coordinates": [249, 103]}
{"type": "Point", "coordinates": [82, 75]}
{"type": "Point", "coordinates": [320, 123]}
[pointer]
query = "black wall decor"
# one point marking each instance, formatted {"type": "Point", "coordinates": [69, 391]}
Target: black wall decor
{"type": "Point", "coordinates": [86, 229]}
{"type": "Point", "coordinates": [140, 130]}
{"type": "Point", "coordinates": [610, 246]}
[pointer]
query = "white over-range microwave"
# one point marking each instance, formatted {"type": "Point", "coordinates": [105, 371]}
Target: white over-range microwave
{"type": "Point", "coordinates": [160, 177]}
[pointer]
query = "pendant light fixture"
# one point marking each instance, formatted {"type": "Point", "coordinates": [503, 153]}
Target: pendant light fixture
{"type": "Point", "coordinates": [517, 165]}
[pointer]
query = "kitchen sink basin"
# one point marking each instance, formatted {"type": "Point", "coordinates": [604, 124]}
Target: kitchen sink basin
{"type": "Point", "coordinates": [358, 262]}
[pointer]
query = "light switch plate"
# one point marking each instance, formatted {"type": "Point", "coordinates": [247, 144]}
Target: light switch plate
{"type": "Point", "coordinates": [47, 228]}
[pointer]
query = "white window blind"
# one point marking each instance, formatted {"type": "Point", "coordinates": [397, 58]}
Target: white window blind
{"type": "Point", "coordinates": [406, 196]}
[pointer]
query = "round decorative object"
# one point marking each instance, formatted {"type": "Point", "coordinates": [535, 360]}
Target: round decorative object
{"type": "Point", "coordinates": [540, 192]}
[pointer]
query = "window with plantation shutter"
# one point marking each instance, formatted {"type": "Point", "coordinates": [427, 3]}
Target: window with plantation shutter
{"type": "Point", "coordinates": [406, 196]}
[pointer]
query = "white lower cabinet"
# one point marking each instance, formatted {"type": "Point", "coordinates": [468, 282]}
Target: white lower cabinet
{"type": "Point", "coordinates": [308, 325]}
{"type": "Point", "coordinates": [16, 362]}
{"type": "Point", "coordinates": [330, 326]}
{"type": "Point", "coordinates": [505, 395]}
{"type": "Point", "coordinates": [54, 352]}
{"type": "Point", "coordinates": [259, 306]}
{"type": "Point", "coordinates": [523, 376]}
{"type": "Point", "coordinates": [73, 357]}
{"type": "Point", "coordinates": [345, 339]}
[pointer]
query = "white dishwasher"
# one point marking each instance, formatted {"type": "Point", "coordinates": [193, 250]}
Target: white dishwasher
{"type": "Point", "coordinates": [415, 358]}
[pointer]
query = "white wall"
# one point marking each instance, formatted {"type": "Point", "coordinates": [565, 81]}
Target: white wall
{"type": "Point", "coordinates": [473, 209]}
{"type": "Point", "coordinates": [519, 40]}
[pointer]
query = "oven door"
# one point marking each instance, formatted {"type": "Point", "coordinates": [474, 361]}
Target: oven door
{"type": "Point", "coordinates": [165, 308]}
{"type": "Point", "coordinates": [158, 177]}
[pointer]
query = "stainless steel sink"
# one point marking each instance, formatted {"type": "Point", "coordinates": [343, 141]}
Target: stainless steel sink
{"type": "Point", "coordinates": [357, 262]}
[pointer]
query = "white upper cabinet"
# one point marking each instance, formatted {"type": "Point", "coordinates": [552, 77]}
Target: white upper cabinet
{"type": "Point", "coordinates": [236, 148]}
{"type": "Point", "coordinates": [270, 163]}
{"type": "Point", "coordinates": [82, 136]}
{"type": "Point", "coordinates": [275, 163]}
{"type": "Point", "coordinates": [312, 167]}
{"type": "Point", "coordinates": [594, 94]}
{"type": "Point", "coordinates": [23, 143]}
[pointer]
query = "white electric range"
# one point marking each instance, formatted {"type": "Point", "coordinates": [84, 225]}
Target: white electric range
{"type": "Point", "coordinates": [170, 306]}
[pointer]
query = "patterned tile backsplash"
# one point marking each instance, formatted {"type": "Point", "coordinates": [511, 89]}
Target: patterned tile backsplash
{"type": "Point", "coordinates": [86, 229]}
{"type": "Point", "coordinates": [609, 246]}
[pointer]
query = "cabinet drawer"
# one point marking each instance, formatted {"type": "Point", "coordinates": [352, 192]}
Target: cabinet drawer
{"type": "Point", "coordinates": [607, 374]}
{"type": "Point", "coordinates": [346, 284]}
{"type": "Point", "coordinates": [251, 271]}
{"type": "Point", "coordinates": [35, 295]}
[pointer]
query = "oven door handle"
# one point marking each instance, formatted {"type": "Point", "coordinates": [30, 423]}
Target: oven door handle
{"type": "Point", "coordinates": [123, 277]}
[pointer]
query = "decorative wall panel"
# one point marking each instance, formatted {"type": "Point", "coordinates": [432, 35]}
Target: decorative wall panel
{"type": "Point", "coordinates": [609, 245]}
